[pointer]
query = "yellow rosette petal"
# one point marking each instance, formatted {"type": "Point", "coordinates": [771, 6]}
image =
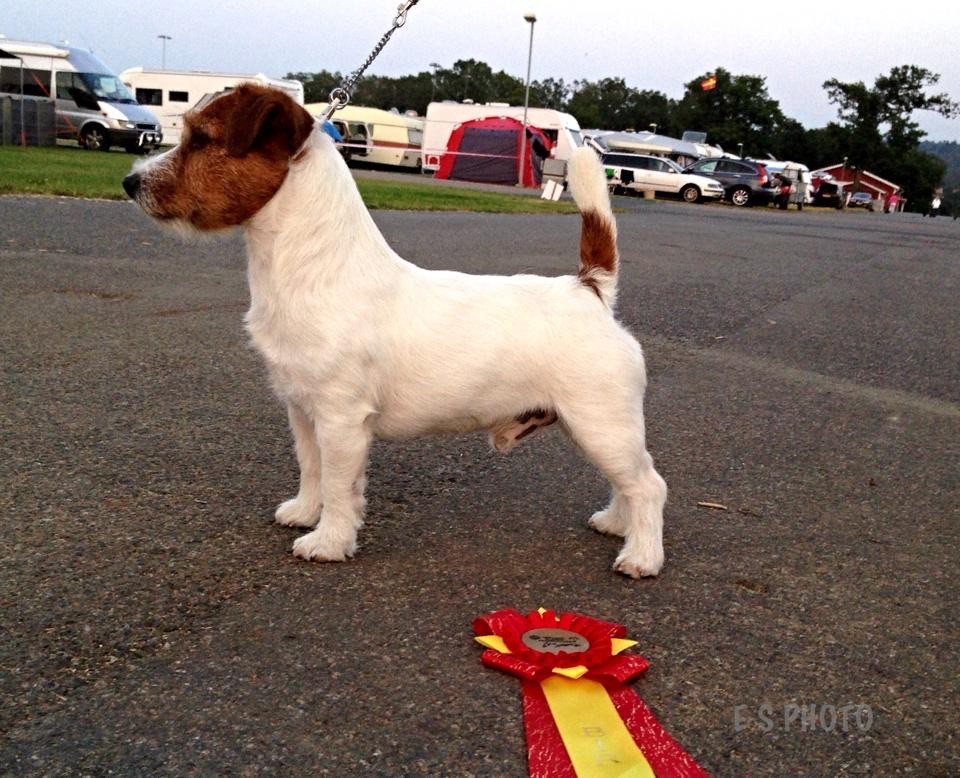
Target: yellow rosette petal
{"type": "Point", "coordinates": [493, 641]}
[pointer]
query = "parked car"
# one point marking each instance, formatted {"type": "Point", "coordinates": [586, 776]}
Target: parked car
{"type": "Point", "coordinates": [861, 200]}
{"type": "Point", "coordinates": [827, 192]}
{"type": "Point", "coordinates": [744, 181]}
{"type": "Point", "coordinates": [643, 173]}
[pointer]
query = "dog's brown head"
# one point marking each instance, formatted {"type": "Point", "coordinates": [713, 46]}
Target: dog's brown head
{"type": "Point", "coordinates": [233, 156]}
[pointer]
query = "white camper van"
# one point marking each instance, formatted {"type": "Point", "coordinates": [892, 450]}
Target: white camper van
{"type": "Point", "coordinates": [443, 117]}
{"type": "Point", "coordinates": [377, 137]}
{"type": "Point", "coordinates": [171, 93]}
{"type": "Point", "coordinates": [92, 104]}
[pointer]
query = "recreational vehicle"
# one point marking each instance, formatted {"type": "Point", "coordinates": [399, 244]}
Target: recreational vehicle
{"type": "Point", "coordinates": [171, 93]}
{"type": "Point", "coordinates": [442, 118]}
{"type": "Point", "coordinates": [92, 105]}
{"type": "Point", "coordinates": [683, 152]}
{"type": "Point", "coordinates": [377, 137]}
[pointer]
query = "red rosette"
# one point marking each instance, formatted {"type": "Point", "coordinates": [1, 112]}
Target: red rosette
{"type": "Point", "coordinates": [534, 647]}
{"type": "Point", "coordinates": [512, 626]}
{"type": "Point", "coordinates": [619, 669]}
{"type": "Point", "coordinates": [511, 664]}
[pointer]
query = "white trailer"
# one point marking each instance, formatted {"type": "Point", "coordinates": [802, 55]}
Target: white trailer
{"type": "Point", "coordinates": [377, 137]}
{"type": "Point", "coordinates": [443, 117]}
{"type": "Point", "coordinates": [171, 93]}
{"type": "Point", "coordinates": [795, 172]}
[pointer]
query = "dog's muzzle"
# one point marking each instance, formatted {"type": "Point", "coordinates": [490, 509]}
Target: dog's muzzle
{"type": "Point", "coordinates": [131, 185]}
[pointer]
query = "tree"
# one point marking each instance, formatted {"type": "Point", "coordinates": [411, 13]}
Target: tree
{"type": "Point", "coordinates": [793, 142]}
{"type": "Point", "coordinates": [609, 104]}
{"type": "Point", "coordinates": [647, 108]}
{"type": "Point", "coordinates": [601, 104]}
{"type": "Point", "coordinates": [414, 92]}
{"type": "Point", "coordinates": [949, 152]}
{"type": "Point", "coordinates": [881, 133]}
{"type": "Point", "coordinates": [469, 79]}
{"type": "Point", "coordinates": [825, 146]}
{"type": "Point", "coordinates": [317, 86]}
{"type": "Point", "coordinates": [919, 174]}
{"type": "Point", "coordinates": [550, 93]}
{"type": "Point", "coordinates": [737, 110]}
{"type": "Point", "coordinates": [883, 114]}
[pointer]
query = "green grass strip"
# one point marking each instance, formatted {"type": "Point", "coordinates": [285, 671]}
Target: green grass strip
{"type": "Point", "coordinates": [75, 172]}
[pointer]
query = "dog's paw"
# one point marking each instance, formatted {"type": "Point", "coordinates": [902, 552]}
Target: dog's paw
{"type": "Point", "coordinates": [321, 546]}
{"type": "Point", "coordinates": [639, 568]}
{"type": "Point", "coordinates": [296, 513]}
{"type": "Point", "coordinates": [609, 522]}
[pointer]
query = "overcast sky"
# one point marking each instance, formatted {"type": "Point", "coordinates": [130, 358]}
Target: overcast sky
{"type": "Point", "coordinates": [651, 45]}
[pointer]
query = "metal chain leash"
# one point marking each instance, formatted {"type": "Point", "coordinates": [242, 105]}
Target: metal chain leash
{"type": "Point", "coordinates": [340, 95]}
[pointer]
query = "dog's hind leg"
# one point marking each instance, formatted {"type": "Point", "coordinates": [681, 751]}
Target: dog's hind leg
{"type": "Point", "coordinates": [304, 509]}
{"type": "Point", "coordinates": [613, 439]}
{"type": "Point", "coordinates": [344, 448]}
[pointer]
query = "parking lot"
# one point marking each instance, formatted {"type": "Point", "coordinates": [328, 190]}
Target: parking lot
{"type": "Point", "coordinates": [803, 375]}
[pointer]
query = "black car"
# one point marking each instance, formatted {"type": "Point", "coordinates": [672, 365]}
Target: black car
{"type": "Point", "coordinates": [828, 194]}
{"type": "Point", "coordinates": [745, 182]}
{"type": "Point", "coordinates": [861, 200]}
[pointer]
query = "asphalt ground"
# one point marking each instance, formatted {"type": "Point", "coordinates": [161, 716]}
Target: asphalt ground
{"type": "Point", "coordinates": [803, 373]}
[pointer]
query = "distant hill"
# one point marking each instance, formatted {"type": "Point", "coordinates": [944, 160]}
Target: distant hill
{"type": "Point", "coordinates": [949, 152]}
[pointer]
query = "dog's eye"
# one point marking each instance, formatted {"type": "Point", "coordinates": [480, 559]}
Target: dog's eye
{"type": "Point", "coordinates": [198, 140]}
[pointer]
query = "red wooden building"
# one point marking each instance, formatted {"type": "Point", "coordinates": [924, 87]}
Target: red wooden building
{"type": "Point", "coordinates": [855, 180]}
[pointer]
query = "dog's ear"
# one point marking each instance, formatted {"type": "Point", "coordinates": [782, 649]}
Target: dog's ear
{"type": "Point", "coordinates": [267, 118]}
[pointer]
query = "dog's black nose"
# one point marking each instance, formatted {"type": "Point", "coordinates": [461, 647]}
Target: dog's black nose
{"type": "Point", "coordinates": [131, 185]}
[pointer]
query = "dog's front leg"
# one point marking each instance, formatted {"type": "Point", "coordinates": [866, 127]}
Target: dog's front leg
{"type": "Point", "coordinates": [304, 509]}
{"type": "Point", "coordinates": [344, 447]}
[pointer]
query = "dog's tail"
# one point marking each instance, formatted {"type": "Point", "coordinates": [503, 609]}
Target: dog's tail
{"type": "Point", "coordinates": [598, 231]}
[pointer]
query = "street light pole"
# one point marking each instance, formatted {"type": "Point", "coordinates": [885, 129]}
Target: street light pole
{"type": "Point", "coordinates": [163, 61]}
{"type": "Point", "coordinates": [532, 19]}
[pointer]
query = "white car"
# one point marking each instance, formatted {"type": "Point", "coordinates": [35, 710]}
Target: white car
{"type": "Point", "coordinates": [643, 173]}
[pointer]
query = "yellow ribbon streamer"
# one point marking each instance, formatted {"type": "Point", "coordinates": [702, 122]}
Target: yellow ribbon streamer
{"type": "Point", "coordinates": [597, 741]}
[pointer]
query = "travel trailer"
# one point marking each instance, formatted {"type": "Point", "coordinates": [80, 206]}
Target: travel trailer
{"type": "Point", "coordinates": [377, 137]}
{"type": "Point", "coordinates": [171, 93]}
{"type": "Point", "coordinates": [92, 105]}
{"type": "Point", "coordinates": [682, 151]}
{"type": "Point", "coordinates": [797, 174]}
{"type": "Point", "coordinates": [442, 118]}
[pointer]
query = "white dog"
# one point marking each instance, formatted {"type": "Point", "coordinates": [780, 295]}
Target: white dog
{"type": "Point", "coordinates": [360, 342]}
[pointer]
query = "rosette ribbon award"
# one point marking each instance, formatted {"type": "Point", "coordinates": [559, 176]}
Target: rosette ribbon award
{"type": "Point", "coordinates": [581, 718]}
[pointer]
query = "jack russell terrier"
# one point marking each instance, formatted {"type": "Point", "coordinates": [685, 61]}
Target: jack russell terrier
{"type": "Point", "coordinates": [360, 342]}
